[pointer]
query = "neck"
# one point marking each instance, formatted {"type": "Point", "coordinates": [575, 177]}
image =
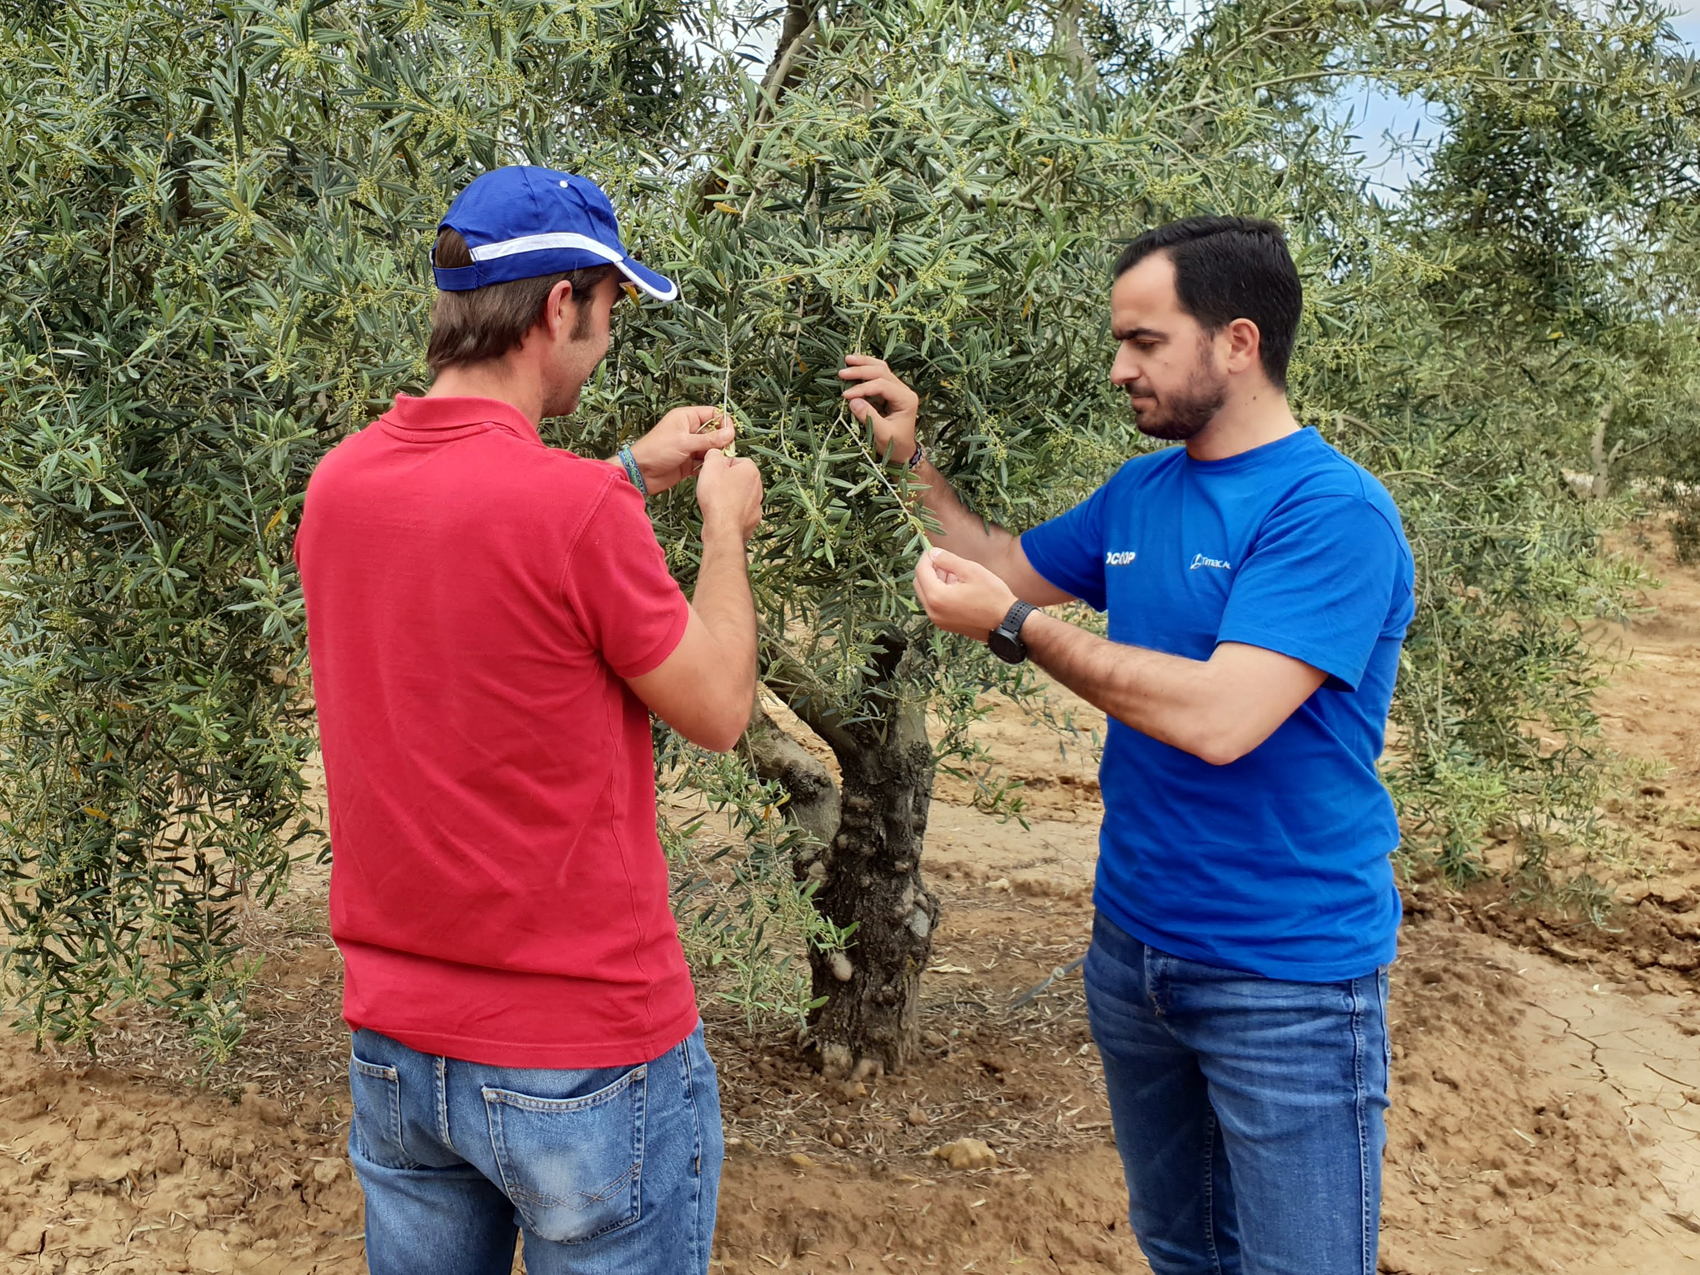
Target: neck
{"type": "Point", "coordinates": [1250, 418]}
{"type": "Point", "coordinates": [499, 379]}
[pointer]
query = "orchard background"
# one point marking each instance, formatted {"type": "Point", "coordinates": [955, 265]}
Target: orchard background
{"type": "Point", "coordinates": [214, 218]}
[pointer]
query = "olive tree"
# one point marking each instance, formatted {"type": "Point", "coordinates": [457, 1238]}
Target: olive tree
{"type": "Point", "coordinates": [947, 188]}
{"type": "Point", "coordinates": [215, 218]}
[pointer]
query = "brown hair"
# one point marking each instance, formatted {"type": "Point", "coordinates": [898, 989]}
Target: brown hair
{"type": "Point", "coordinates": [485, 323]}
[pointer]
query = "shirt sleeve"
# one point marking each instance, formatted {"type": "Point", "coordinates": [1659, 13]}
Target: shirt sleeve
{"type": "Point", "coordinates": [1068, 550]}
{"type": "Point", "coordinates": [1320, 585]}
{"type": "Point", "coordinates": [616, 584]}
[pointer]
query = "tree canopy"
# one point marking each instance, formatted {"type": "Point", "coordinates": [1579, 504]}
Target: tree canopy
{"type": "Point", "coordinates": [217, 217]}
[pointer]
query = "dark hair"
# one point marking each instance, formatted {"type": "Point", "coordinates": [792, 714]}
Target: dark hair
{"type": "Point", "coordinates": [487, 322]}
{"type": "Point", "coordinates": [1229, 268]}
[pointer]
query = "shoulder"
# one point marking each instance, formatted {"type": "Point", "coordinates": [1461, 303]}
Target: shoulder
{"type": "Point", "coordinates": [1147, 470]}
{"type": "Point", "coordinates": [1336, 485]}
{"type": "Point", "coordinates": [346, 461]}
{"type": "Point", "coordinates": [350, 449]}
{"type": "Point", "coordinates": [600, 494]}
{"type": "Point", "coordinates": [1149, 466]}
{"type": "Point", "coordinates": [556, 465]}
{"type": "Point", "coordinates": [552, 475]}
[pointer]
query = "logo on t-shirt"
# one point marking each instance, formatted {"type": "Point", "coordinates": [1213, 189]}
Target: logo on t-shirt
{"type": "Point", "coordinates": [1119, 558]}
{"type": "Point", "coordinates": [1199, 560]}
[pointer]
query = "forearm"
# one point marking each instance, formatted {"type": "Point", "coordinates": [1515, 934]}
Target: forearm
{"type": "Point", "coordinates": [961, 530]}
{"type": "Point", "coordinates": [1168, 697]}
{"type": "Point", "coordinates": [724, 603]}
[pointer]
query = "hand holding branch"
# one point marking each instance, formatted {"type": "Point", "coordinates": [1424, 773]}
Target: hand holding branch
{"type": "Point", "coordinates": [894, 429]}
{"type": "Point", "coordinates": [677, 447]}
{"type": "Point", "coordinates": [729, 493]}
{"type": "Point", "coordinates": [961, 596]}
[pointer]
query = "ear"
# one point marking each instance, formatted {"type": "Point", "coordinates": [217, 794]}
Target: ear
{"type": "Point", "coordinates": [558, 311]}
{"type": "Point", "coordinates": [1245, 345]}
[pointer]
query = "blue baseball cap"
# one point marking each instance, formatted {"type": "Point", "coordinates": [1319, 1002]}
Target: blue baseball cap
{"type": "Point", "coordinates": [520, 222]}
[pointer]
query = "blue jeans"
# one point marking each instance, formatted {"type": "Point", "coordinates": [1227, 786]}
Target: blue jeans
{"type": "Point", "coordinates": [611, 1171]}
{"type": "Point", "coordinates": [1248, 1111]}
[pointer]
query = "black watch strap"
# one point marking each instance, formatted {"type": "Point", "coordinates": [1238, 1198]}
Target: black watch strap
{"type": "Point", "coordinates": [1017, 616]}
{"type": "Point", "coordinates": [1005, 640]}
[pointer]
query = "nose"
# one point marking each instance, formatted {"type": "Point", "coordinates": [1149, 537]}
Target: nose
{"type": "Point", "coordinates": [1122, 369]}
{"type": "Point", "coordinates": [1123, 372]}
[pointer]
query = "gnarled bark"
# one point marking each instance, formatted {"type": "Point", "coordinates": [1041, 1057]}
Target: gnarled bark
{"type": "Point", "coordinates": [871, 877]}
{"type": "Point", "coordinates": [811, 794]}
{"type": "Point", "coordinates": [868, 871]}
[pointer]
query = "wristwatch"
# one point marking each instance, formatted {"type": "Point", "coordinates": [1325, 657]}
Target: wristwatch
{"type": "Point", "coordinates": [1005, 640]}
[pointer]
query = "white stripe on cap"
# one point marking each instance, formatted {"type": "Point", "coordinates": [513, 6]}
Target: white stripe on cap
{"type": "Point", "coordinates": [670, 294]}
{"type": "Point", "coordinates": [568, 239]}
{"type": "Point", "coordinates": [541, 243]}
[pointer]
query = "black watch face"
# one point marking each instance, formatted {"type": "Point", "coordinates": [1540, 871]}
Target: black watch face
{"type": "Point", "coordinates": [1011, 650]}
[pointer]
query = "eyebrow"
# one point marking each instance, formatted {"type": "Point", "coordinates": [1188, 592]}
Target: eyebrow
{"type": "Point", "coordinates": [1134, 334]}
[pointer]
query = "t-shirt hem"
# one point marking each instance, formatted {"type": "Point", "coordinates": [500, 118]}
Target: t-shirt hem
{"type": "Point", "coordinates": [658, 654]}
{"type": "Point", "coordinates": [1319, 658]}
{"type": "Point", "coordinates": [550, 1056]}
{"type": "Point", "coordinates": [1051, 571]}
{"type": "Point", "coordinates": [1283, 971]}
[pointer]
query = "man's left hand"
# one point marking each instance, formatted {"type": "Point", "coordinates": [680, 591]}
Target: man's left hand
{"type": "Point", "coordinates": [673, 450]}
{"type": "Point", "coordinates": [961, 596]}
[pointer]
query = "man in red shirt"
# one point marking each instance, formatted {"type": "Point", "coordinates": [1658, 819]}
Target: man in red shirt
{"type": "Point", "coordinates": [491, 624]}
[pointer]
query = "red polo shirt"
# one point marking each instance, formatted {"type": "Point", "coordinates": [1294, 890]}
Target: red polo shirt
{"type": "Point", "coordinates": [475, 601]}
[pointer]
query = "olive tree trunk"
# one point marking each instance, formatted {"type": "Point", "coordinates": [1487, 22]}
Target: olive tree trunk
{"type": "Point", "coordinates": [867, 871]}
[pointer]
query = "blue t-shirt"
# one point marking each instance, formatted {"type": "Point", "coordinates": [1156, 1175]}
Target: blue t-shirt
{"type": "Point", "coordinates": [1276, 864]}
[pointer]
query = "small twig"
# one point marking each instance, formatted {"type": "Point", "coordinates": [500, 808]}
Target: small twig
{"type": "Point", "coordinates": [1033, 993]}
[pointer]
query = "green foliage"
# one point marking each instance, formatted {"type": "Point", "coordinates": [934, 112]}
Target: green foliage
{"type": "Point", "coordinates": [215, 219]}
{"type": "Point", "coordinates": [916, 228]}
{"type": "Point", "coordinates": [747, 921]}
{"type": "Point", "coordinates": [938, 191]}
{"type": "Point", "coordinates": [1558, 334]}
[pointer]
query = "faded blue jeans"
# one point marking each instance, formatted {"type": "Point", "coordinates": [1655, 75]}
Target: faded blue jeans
{"type": "Point", "coordinates": [612, 1171]}
{"type": "Point", "coordinates": [1249, 1112]}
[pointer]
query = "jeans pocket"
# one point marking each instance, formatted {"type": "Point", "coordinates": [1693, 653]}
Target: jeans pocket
{"type": "Point", "coordinates": [573, 1167]}
{"type": "Point", "coordinates": [377, 1114]}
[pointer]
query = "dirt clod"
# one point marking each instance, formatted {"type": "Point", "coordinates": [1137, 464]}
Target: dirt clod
{"type": "Point", "coordinates": [327, 1171]}
{"type": "Point", "coordinates": [966, 1153]}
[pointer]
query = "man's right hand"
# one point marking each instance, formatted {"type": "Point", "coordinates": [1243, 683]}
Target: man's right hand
{"type": "Point", "coordinates": [894, 429]}
{"type": "Point", "coordinates": [729, 494]}
{"type": "Point", "coordinates": [705, 688]}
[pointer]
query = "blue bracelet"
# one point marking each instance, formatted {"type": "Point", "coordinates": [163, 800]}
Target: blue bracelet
{"type": "Point", "coordinates": [632, 470]}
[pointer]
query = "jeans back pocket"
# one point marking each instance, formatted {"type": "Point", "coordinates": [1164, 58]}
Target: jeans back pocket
{"type": "Point", "coordinates": [573, 1167]}
{"type": "Point", "coordinates": [376, 1134]}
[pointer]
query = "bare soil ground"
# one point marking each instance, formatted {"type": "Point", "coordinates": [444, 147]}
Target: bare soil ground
{"type": "Point", "coordinates": [1546, 1105]}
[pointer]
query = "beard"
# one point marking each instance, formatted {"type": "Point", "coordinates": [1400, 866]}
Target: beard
{"type": "Point", "coordinates": [1175, 418]}
{"type": "Point", "coordinates": [577, 365]}
{"type": "Point", "coordinates": [561, 401]}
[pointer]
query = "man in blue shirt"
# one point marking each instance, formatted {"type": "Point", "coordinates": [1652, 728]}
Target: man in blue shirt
{"type": "Point", "coordinates": [1258, 586]}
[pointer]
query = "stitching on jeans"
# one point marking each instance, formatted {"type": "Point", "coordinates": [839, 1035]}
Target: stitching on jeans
{"type": "Point", "coordinates": [1210, 1192]}
{"type": "Point", "coordinates": [578, 1198]}
{"type": "Point", "coordinates": [1386, 1036]}
{"type": "Point", "coordinates": [1366, 1265]}
{"type": "Point", "coordinates": [699, 1258]}
{"type": "Point", "coordinates": [493, 1108]}
{"type": "Point", "coordinates": [1153, 973]}
{"type": "Point", "coordinates": [391, 1079]}
{"type": "Point", "coordinates": [640, 1143]}
{"type": "Point", "coordinates": [525, 1102]}
{"type": "Point", "coordinates": [443, 1101]}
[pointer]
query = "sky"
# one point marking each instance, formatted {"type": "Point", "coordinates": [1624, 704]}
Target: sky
{"type": "Point", "coordinates": [1393, 131]}
{"type": "Point", "coordinates": [1383, 121]}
